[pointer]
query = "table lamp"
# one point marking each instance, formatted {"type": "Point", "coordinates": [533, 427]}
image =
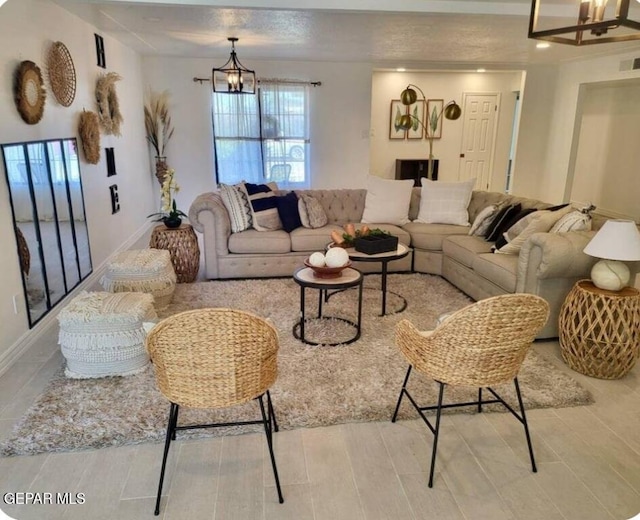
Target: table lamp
{"type": "Point", "coordinates": [616, 242]}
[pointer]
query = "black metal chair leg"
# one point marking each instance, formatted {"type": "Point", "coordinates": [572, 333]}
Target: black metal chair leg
{"type": "Point", "coordinates": [171, 425]}
{"type": "Point", "coordinates": [267, 431]}
{"type": "Point", "coordinates": [480, 400]}
{"type": "Point", "coordinates": [272, 414]}
{"type": "Point", "coordinates": [404, 385]}
{"type": "Point", "coordinates": [435, 434]}
{"type": "Point", "coordinates": [175, 422]}
{"type": "Point", "coordinates": [526, 426]}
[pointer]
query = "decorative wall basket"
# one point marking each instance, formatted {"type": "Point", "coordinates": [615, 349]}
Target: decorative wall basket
{"type": "Point", "coordinates": [29, 92]}
{"type": "Point", "coordinates": [62, 74]}
{"type": "Point", "coordinates": [89, 130]}
{"type": "Point", "coordinates": [108, 105]}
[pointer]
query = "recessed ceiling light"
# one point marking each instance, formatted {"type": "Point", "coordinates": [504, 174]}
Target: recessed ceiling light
{"type": "Point", "coordinates": [544, 45]}
{"type": "Point", "coordinates": [402, 69]}
{"type": "Point", "coordinates": [481, 70]}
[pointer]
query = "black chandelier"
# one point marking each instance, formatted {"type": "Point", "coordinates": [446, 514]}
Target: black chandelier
{"type": "Point", "coordinates": [233, 77]}
{"type": "Point", "coordinates": [594, 21]}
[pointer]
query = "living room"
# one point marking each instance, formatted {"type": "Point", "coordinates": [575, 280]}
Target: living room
{"type": "Point", "coordinates": [349, 134]}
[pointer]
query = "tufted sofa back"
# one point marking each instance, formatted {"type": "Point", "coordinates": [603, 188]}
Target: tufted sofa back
{"type": "Point", "coordinates": [341, 206]}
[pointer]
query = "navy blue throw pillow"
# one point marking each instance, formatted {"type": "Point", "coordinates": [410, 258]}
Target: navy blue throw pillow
{"type": "Point", "coordinates": [288, 211]}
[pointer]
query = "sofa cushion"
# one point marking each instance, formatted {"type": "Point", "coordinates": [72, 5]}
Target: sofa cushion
{"type": "Point", "coordinates": [263, 206]}
{"type": "Point", "coordinates": [288, 211]}
{"type": "Point", "coordinates": [307, 239]}
{"type": "Point", "coordinates": [499, 269]}
{"type": "Point", "coordinates": [464, 249]}
{"type": "Point", "coordinates": [429, 236]}
{"type": "Point", "coordinates": [387, 200]}
{"type": "Point", "coordinates": [252, 241]}
{"type": "Point", "coordinates": [445, 202]}
{"type": "Point", "coordinates": [236, 201]}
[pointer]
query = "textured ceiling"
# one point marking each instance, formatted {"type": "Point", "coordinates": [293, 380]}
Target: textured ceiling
{"type": "Point", "coordinates": [405, 33]}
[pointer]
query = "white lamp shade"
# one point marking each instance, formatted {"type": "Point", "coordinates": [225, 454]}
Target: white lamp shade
{"type": "Point", "coordinates": [616, 240]}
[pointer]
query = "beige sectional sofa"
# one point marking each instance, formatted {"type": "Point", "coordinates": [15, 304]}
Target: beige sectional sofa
{"type": "Point", "coordinates": [548, 264]}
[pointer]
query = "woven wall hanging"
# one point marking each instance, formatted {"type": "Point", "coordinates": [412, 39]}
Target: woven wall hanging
{"type": "Point", "coordinates": [108, 106]}
{"type": "Point", "coordinates": [89, 130]}
{"type": "Point", "coordinates": [62, 74]}
{"type": "Point", "coordinates": [29, 92]}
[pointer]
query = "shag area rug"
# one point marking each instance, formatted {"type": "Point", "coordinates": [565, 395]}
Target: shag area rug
{"type": "Point", "coordinates": [317, 385]}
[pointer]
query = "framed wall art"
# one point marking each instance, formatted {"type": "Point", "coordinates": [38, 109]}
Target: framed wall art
{"type": "Point", "coordinates": [396, 112]}
{"type": "Point", "coordinates": [416, 111]}
{"type": "Point", "coordinates": [434, 118]}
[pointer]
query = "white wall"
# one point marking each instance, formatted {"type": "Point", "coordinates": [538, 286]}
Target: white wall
{"type": "Point", "coordinates": [27, 27]}
{"type": "Point", "coordinates": [552, 140]}
{"type": "Point", "coordinates": [608, 156]}
{"type": "Point", "coordinates": [340, 112]}
{"type": "Point", "coordinates": [447, 86]}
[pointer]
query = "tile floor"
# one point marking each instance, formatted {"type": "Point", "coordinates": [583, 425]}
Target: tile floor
{"type": "Point", "coordinates": [588, 458]}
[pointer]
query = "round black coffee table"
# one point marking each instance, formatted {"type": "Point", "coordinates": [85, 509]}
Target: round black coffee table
{"type": "Point", "coordinates": [306, 279]}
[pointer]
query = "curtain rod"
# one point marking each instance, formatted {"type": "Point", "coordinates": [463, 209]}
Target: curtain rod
{"type": "Point", "coordinates": [270, 80]}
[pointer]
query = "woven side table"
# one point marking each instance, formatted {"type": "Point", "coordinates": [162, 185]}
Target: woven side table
{"type": "Point", "coordinates": [182, 244]}
{"type": "Point", "coordinates": [600, 330]}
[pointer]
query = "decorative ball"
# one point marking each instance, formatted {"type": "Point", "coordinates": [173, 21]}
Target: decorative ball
{"type": "Point", "coordinates": [610, 275]}
{"type": "Point", "coordinates": [317, 260]}
{"type": "Point", "coordinates": [336, 257]}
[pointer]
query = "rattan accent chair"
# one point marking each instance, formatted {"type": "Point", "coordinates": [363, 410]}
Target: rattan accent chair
{"type": "Point", "coordinates": [215, 358]}
{"type": "Point", "coordinates": [481, 345]}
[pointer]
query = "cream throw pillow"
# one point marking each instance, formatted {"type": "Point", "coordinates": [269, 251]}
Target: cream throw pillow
{"type": "Point", "coordinates": [445, 202]}
{"type": "Point", "coordinates": [536, 222]}
{"type": "Point", "coordinates": [481, 223]}
{"type": "Point", "coordinates": [312, 214]}
{"type": "Point", "coordinates": [387, 201]}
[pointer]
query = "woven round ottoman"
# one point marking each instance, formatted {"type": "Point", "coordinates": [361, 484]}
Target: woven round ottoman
{"type": "Point", "coordinates": [142, 270]}
{"type": "Point", "coordinates": [102, 334]}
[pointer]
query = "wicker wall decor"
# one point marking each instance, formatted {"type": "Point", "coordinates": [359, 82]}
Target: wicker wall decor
{"type": "Point", "coordinates": [89, 130]}
{"type": "Point", "coordinates": [62, 74]}
{"type": "Point", "coordinates": [29, 92]}
{"type": "Point", "coordinates": [108, 105]}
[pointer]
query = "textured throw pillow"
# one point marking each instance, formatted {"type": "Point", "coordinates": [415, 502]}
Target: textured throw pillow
{"type": "Point", "coordinates": [445, 202]}
{"type": "Point", "coordinates": [387, 201]}
{"type": "Point", "coordinates": [288, 211]}
{"type": "Point", "coordinates": [311, 212]}
{"type": "Point", "coordinates": [574, 221]}
{"type": "Point", "coordinates": [236, 201]}
{"type": "Point", "coordinates": [264, 210]}
{"type": "Point", "coordinates": [514, 226]}
{"type": "Point", "coordinates": [499, 223]}
{"type": "Point", "coordinates": [538, 222]}
{"type": "Point", "coordinates": [482, 221]}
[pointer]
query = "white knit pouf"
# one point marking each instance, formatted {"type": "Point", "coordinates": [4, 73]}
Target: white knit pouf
{"type": "Point", "coordinates": [142, 270]}
{"type": "Point", "coordinates": [102, 334]}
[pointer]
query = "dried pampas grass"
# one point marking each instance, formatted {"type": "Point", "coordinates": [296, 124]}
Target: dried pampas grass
{"type": "Point", "coordinates": [157, 121]}
{"type": "Point", "coordinates": [89, 130]}
{"type": "Point", "coordinates": [108, 105]}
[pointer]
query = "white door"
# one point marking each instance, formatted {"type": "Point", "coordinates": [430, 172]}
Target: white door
{"type": "Point", "coordinates": [480, 112]}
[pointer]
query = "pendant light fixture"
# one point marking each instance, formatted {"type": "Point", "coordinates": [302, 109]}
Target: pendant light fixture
{"type": "Point", "coordinates": [233, 77]}
{"type": "Point", "coordinates": [595, 22]}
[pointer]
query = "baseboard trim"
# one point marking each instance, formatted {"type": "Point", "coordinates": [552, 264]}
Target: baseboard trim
{"type": "Point", "coordinates": [91, 283]}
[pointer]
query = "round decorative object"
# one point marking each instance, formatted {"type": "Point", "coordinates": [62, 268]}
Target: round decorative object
{"type": "Point", "coordinates": [108, 105]}
{"type": "Point", "coordinates": [182, 244]}
{"type": "Point", "coordinates": [62, 74]}
{"type": "Point", "coordinates": [89, 130]}
{"type": "Point", "coordinates": [29, 92]}
{"type": "Point", "coordinates": [610, 275]}
{"type": "Point", "coordinates": [336, 257]}
{"type": "Point", "coordinates": [327, 272]}
{"type": "Point", "coordinates": [317, 260]}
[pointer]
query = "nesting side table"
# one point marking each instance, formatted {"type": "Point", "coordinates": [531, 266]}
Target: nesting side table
{"type": "Point", "coordinates": [600, 330]}
{"type": "Point", "coordinates": [182, 244]}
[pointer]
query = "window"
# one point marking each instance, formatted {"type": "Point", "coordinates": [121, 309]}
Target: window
{"type": "Point", "coordinates": [263, 138]}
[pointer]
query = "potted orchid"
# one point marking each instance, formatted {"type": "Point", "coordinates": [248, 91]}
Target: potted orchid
{"type": "Point", "coordinates": [170, 214]}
